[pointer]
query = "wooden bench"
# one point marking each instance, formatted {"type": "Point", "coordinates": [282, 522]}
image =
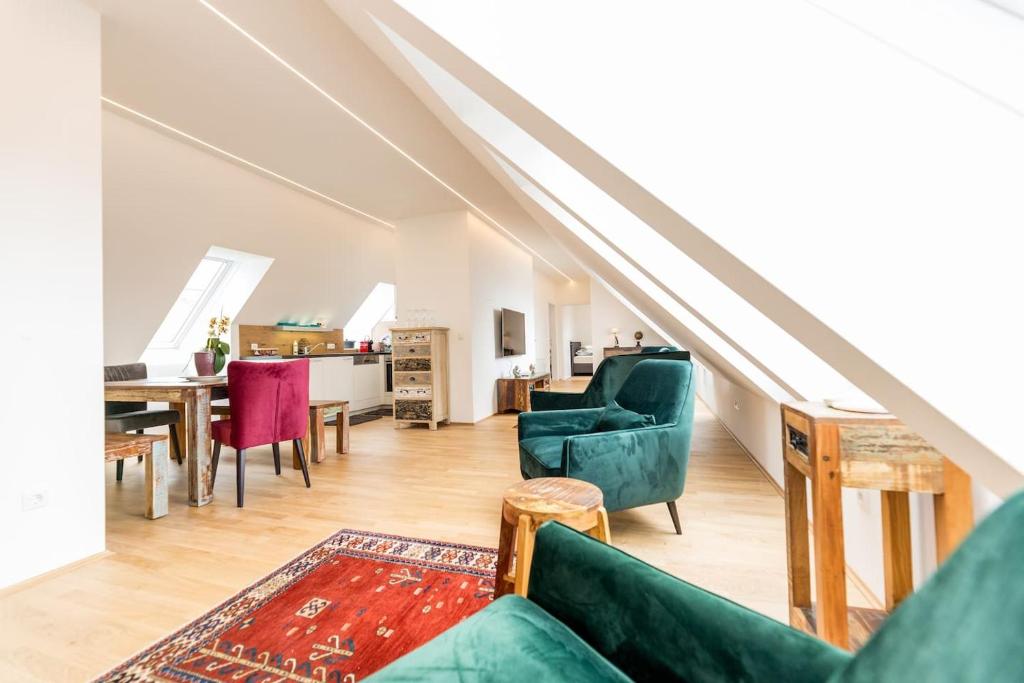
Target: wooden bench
{"type": "Point", "coordinates": [314, 443]}
{"type": "Point", "coordinates": [153, 450]}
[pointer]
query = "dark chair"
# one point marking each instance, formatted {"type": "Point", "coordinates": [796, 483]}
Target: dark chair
{"type": "Point", "coordinates": [607, 381]}
{"type": "Point", "coordinates": [633, 466]}
{"type": "Point", "coordinates": [128, 416]}
{"type": "Point", "coordinates": [269, 404]}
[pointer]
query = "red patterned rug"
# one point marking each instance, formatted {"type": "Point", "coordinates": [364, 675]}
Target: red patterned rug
{"type": "Point", "coordinates": [342, 610]}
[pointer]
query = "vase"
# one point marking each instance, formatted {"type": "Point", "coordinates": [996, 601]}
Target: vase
{"type": "Point", "coordinates": [204, 363]}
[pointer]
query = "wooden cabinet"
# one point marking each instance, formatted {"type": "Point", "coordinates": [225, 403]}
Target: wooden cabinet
{"type": "Point", "coordinates": [420, 356]}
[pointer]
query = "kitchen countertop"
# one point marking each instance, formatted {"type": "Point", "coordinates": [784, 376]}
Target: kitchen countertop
{"type": "Point", "coordinates": [329, 354]}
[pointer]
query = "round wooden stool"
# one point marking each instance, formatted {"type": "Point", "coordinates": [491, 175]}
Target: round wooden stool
{"type": "Point", "coordinates": [577, 504]}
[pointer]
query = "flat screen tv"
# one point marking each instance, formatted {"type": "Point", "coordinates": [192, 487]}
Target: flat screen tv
{"type": "Point", "coordinates": [513, 333]}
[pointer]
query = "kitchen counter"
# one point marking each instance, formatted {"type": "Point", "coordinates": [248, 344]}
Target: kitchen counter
{"type": "Point", "coordinates": [329, 354]}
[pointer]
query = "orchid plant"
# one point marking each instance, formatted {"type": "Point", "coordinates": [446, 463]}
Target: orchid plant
{"type": "Point", "coordinates": [218, 326]}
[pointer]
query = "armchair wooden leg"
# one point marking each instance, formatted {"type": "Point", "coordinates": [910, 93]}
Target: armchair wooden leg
{"type": "Point", "coordinates": [240, 476]}
{"type": "Point", "coordinates": [302, 460]}
{"type": "Point", "coordinates": [672, 510]}
{"type": "Point", "coordinates": [175, 444]}
{"type": "Point", "coordinates": [120, 469]}
{"type": "Point", "coordinates": [277, 457]}
{"type": "Point", "coordinates": [216, 460]}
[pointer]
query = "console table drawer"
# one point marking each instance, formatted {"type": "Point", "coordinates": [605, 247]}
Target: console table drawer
{"type": "Point", "coordinates": [412, 338]}
{"type": "Point", "coordinates": [412, 365]}
{"type": "Point", "coordinates": [414, 392]}
{"type": "Point", "coordinates": [413, 410]}
{"type": "Point", "coordinates": [412, 379]}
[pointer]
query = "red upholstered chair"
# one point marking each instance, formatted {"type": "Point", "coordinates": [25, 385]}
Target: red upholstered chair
{"type": "Point", "coordinates": [269, 404]}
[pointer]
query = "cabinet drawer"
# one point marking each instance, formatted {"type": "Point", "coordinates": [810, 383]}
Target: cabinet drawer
{"type": "Point", "coordinates": [412, 379]}
{"type": "Point", "coordinates": [412, 364]}
{"type": "Point", "coordinates": [413, 410]}
{"type": "Point", "coordinates": [411, 350]}
{"type": "Point", "coordinates": [414, 392]}
{"type": "Point", "coordinates": [412, 338]}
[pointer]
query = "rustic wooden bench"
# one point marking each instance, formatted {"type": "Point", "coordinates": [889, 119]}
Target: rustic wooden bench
{"type": "Point", "coordinates": [153, 450]}
{"type": "Point", "coordinates": [314, 444]}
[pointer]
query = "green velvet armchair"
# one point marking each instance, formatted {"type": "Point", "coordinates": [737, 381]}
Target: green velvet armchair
{"type": "Point", "coordinates": [595, 613]}
{"type": "Point", "coordinates": [605, 383]}
{"type": "Point", "coordinates": [632, 467]}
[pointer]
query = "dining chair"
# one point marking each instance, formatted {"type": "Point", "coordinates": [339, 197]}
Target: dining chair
{"type": "Point", "coordinates": [269, 404]}
{"type": "Point", "coordinates": [127, 416]}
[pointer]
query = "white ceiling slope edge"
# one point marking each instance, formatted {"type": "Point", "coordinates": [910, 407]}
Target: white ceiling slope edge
{"type": "Point", "coordinates": [182, 65]}
{"type": "Point", "coordinates": [998, 470]}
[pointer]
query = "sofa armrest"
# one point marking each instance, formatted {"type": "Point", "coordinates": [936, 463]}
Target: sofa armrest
{"type": "Point", "coordinates": [558, 422]}
{"type": "Point", "coordinates": [554, 400]}
{"type": "Point", "coordinates": [654, 626]}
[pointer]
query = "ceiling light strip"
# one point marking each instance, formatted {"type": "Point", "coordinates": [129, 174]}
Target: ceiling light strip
{"type": "Point", "coordinates": [245, 162]}
{"type": "Point", "coordinates": [383, 138]}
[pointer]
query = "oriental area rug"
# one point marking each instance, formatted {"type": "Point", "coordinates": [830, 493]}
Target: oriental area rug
{"type": "Point", "coordinates": [340, 611]}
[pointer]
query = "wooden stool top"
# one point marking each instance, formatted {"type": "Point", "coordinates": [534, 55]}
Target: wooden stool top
{"type": "Point", "coordinates": [121, 446]}
{"type": "Point", "coordinates": [570, 501]}
{"type": "Point", "coordinates": [327, 403]}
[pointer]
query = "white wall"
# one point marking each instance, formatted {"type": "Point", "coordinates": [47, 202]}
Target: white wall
{"type": "Point", "coordinates": [51, 274]}
{"type": "Point", "coordinates": [461, 272]}
{"type": "Point", "coordinates": [166, 202]}
{"type": "Point", "coordinates": [607, 312]}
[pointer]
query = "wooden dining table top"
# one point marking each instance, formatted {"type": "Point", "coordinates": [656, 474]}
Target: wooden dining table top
{"type": "Point", "coordinates": [168, 383]}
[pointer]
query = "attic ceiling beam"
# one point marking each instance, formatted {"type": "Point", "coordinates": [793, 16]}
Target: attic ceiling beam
{"type": "Point", "coordinates": [117, 106]}
{"type": "Point", "coordinates": [671, 293]}
{"type": "Point", "coordinates": [961, 446]}
{"type": "Point", "coordinates": [379, 135]}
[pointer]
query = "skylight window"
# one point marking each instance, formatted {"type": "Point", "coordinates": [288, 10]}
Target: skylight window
{"type": "Point", "coordinates": [379, 305]}
{"type": "Point", "coordinates": [205, 280]}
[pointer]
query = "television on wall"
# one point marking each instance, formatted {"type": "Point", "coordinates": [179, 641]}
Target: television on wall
{"type": "Point", "coordinates": [513, 333]}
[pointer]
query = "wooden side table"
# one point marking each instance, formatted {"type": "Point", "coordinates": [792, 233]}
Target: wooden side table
{"type": "Point", "coordinates": [314, 445]}
{"type": "Point", "coordinates": [833, 449]}
{"type": "Point", "coordinates": [526, 506]}
{"type": "Point", "coordinates": [514, 392]}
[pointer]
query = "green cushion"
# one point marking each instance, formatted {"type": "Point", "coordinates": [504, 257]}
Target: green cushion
{"type": "Point", "coordinates": [615, 417]}
{"type": "Point", "coordinates": [541, 456]}
{"type": "Point", "coordinates": [512, 640]}
{"type": "Point", "coordinates": [966, 623]}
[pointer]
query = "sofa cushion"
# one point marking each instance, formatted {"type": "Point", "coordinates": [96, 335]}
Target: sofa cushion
{"type": "Point", "coordinates": [541, 456]}
{"type": "Point", "coordinates": [511, 640]}
{"type": "Point", "coordinates": [615, 417]}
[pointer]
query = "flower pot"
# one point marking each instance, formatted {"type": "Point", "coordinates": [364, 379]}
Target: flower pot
{"type": "Point", "coordinates": [204, 363]}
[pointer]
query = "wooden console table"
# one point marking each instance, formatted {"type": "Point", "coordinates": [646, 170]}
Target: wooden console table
{"type": "Point", "coordinates": [833, 449]}
{"type": "Point", "coordinates": [610, 351]}
{"type": "Point", "coordinates": [514, 392]}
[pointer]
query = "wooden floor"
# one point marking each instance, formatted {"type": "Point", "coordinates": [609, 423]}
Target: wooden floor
{"type": "Point", "coordinates": [444, 485]}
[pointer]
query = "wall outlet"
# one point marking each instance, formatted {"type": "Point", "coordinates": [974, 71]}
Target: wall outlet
{"type": "Point", "coordinates": [34, 499]}
{"type": "Point", "coordinates": [331, 346]}
{"type": "Point", "coordinates": [253, 346]}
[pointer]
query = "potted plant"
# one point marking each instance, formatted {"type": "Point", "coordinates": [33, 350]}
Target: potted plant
{"type": "Point", "coordinates": [211, 360]}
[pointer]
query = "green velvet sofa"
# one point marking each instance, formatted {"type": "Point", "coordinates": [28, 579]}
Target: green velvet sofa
{"type": "Point", "coordinates": [632, 467]}
{"type": "Point", "coordinates": [595, 613]}
{"type": "Point", "coordinates": [605, 383]}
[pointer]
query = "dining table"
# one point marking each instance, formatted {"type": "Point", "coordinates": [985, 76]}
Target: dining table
{"type": "Point", "coordinates": [191, 398]}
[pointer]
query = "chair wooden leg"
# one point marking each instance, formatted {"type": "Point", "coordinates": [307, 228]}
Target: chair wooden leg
{"type": "Point", "coordinates": [277, 457]}
{"type": "Point", "coordinates": [240, 476]}
{"type": "Point", "coordinates": [302, 460]}
{"type": "Point", "coordinates": [216, 460]}
{"type": "Point", "coordinates": [120, 469]}
{"type": "Point", "coordinates": [675, 516]}
{"type": "Point", "coordinates": [175, 444]}
{"type": "Point", "coordinates": [140, 431]}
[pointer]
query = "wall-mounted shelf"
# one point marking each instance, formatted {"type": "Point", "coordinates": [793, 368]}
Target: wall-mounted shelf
{"type": "Point", "coordinates": [301, 328]}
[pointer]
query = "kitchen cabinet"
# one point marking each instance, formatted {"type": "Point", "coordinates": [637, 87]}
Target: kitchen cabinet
{"type": "Point", "coordinates": [330, 378]}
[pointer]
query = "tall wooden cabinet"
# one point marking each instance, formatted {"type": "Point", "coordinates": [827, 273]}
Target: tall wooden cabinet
{"type": "Point", "coordinates": [420, 356]}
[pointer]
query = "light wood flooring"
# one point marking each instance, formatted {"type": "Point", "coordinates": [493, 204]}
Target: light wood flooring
{"type": "Point", "coordinates": [445, 485]}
